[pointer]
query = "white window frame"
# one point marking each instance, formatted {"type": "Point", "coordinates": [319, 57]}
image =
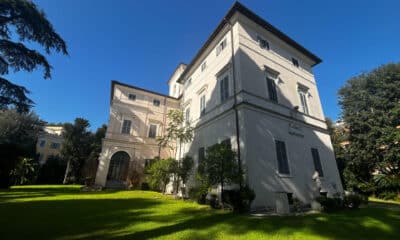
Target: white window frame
{"type": "Point", "coordinates": [303, 92]}
{"type": "Point", "coordinates": [263, 43]}
{"type": "Point", "coordinates": [202, 103]}
{"type": "Point", "coordinates": [220, 47]}
{"type": "Point", "coordinates": [132, 94]}
{"type": "Point", "coordinates": [130, 126]}
{"type": "Point", "coordinates": [221, 79]}
{"type": "Point", "coordinates": [156, 133]}
{"type": "Point", "coordinates": [159, 102]}
{"type": "Point", "coordinates": [295, 62]}
{"type": "Point", "coordinates": [203, 66]}
{"type": "Point", "coordinates": [187, 115]}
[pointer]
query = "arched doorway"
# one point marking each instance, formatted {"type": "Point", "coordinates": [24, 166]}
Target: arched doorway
{"type": "Point", "coordinates": [118, 169]}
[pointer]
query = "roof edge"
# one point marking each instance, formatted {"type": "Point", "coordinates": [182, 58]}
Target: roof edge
{"type": "Point", "coordinates": [238, 7]}
{"type": "Point", "coordinates": [115, 82]}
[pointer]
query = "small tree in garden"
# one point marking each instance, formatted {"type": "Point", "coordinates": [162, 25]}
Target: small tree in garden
{"type": "Point", "coordinates": [184, 169]}
{"type": "Point", "coordinates": [160, 173]}
{"type": "Point", "coordinates": [220, 166]}
{"type": "Point", "coordinates": [179, 132]}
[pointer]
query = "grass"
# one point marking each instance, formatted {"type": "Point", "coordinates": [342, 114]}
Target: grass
{"type": "Point", "coordinates": [378, 200]}
{"type": "Point", "coordinates": [62, 212]}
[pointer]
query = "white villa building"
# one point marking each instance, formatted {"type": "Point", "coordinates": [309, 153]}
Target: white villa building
{"type": "Point", "coordinates": [249, 84]}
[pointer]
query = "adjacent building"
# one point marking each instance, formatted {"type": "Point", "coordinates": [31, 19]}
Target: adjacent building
{"type": "Point", "coordinates": [250, 85]}
{"type": "Point", "coordinates": [49, 143]}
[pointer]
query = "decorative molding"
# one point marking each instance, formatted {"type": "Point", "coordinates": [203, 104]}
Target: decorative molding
{"type": "Point", "coordinates": [202, 89]}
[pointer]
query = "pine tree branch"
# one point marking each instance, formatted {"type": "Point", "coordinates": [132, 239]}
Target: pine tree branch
{"type": "Point", "coordinates": [21, 58]}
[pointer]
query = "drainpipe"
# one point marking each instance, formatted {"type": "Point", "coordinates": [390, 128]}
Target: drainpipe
{"type": "Point", "coordinates": [234, 107]}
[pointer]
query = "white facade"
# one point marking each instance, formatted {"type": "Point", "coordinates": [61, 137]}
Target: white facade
{"type": "Point", "coordinates": [253, 83]}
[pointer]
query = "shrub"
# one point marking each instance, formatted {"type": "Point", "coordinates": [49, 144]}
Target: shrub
{"type": "Point", "coordinates": [330, 204]}
{"type": "Point", "coordinates": [52, 172]}
{"type": "Point", "coordinates": [212, 200]}
{"type": "Point", "coordinates": [352, 201]}
{"type": "Point", "coordinates": [387, 195]}
{"type": "Point", "coordinates": [240, 199]}
{"type": "Point", "coordinates": [198, 194]}
{"type": "Point", "coordinates": [145, 186]}
{"type": "Point", "coordinates": [160, 173]}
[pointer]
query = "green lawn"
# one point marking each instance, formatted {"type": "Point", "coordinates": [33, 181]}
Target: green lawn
{"type": "Point", "coordinates": [62, 212]}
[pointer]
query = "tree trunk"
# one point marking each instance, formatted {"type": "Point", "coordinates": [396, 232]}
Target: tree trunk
{"type": "Point", "coordinates": [67, 171]}
{"type": "Point", "coordinates": [177, 177]}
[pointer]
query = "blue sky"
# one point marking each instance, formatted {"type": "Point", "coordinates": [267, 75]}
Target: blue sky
{"type": "Point", "coordinates": [141, 43]}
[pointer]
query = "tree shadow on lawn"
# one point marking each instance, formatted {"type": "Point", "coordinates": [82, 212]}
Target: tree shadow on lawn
{"type": "Point", "coordinates": [146, 217]}
{"type": "Point", "coordinates": [66, 219]}
{"type": "Point", "coordinates": [358, 224]}
{"type": "Point", "coordinates": [11, 194]}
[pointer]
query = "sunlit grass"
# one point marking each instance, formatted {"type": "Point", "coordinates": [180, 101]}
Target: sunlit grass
{"type": "Point", "coordinates": [373, 199]}
{"type": "Point", "coordinates": [63, 212]}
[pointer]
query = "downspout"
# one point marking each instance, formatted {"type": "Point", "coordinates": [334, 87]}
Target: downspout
{"type": "Point", "coordinates": [235, 102]}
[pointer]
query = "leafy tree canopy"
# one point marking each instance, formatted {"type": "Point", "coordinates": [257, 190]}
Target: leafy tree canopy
{"type": "Point", "coordinates": [371, 109]}
{"type": "Point", "coordinates": [22, 20]}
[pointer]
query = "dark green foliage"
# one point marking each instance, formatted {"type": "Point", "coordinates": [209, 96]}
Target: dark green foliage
{"type": "Point", "coordinates": [220, 166]}
{"type": "Point", "coordinates": [52, 171]}
{"type": "Point", "coordinates": [387, 195]}
{"type": "Point", "coordinates": [185, 168]}
{"type": "Point", "coordinates": [25, 171]}
{"type": "Point", "coordinates": [14, 95]}
{"type": "Point", "coordinates": [145, 186]}
{"type": "Point", "coordinates": [29, 24]}
{"type": "Point", "coordinates": [160, 173]}
{"type": "Point", "coordinates": [330, 204]}
{"type": "Point", "coordinates": [76, 148]}
{"type": "Point", "coordinates": [18, 135]}
{"type": "Point", "coordinates": [353, 201]}
{"type": "Point", "coordinates": [198, 194]}
{"type": "Point", "coordinates": [91, 163]}
{"type": "Point", "coordinates": [212, 200]}
{"type": "Point", "coordinates": [371, 109]}
{"type": "Point", "coordinates": [239, 199]}
{"type": "Point", "coordinates": [8, 161]}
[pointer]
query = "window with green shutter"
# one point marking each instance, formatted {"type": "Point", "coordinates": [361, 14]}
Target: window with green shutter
{"type": "Point", "coordinates": [283, 164]}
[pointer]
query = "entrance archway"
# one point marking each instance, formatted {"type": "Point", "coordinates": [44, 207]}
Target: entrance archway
{"type": "Point", "coordinates": [118, 169]}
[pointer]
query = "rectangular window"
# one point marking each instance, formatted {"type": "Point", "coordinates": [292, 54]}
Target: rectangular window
{"type": "Point", "coordinates": [262, 43]}
{"type": "Point", "coordinates": [224, 88]}
{"type": "Point", "coordinates": [132, 97]}
{"type": "Point", "coordinates": [317, 162]}
{"type": "Point", "coordinates": [42, 143]}
{"type": "Point", "coordinates": [203, 66]}
{"type": "Point", "coordinates": [295, 62]}
{"type": "Point", "coordinates": [152, 131]}
{"type": "Point", "coordinates": [156, 102]}
{"type": "Point", "coordinates": [303, 100]}
{"type": "Point", "coordinates": [273, 96]}
{"type": "Point", "coordinates": [55, 145]}
{"type": "Point", "coordinates": [221, 46]}
{"type": "Point", "coordinates": [187, 115]}
{"type": "Point", "coordinates": [202, 105]}
{"type": "Point", "coordinates": [281, 155]}
{"type": "Point", "coordinates": [126, 127]}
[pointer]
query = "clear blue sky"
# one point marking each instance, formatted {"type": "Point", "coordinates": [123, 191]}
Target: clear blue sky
{"type": "Point", "coordinates": [141, 42]}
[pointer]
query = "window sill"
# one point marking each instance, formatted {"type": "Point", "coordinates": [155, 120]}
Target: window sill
{"type": "Point", "coordinates": [282, 175]}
